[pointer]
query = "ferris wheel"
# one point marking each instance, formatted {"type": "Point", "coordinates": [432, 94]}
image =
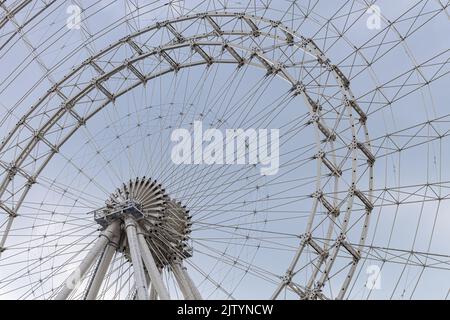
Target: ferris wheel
{"type": "Point", "coordinates": [94, 206]}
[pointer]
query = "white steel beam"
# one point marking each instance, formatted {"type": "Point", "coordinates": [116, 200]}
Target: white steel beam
{"type": "Point", "coordinates": [191, 284]}
{"type": "Point", "coordinates": [153, 293]}
{"type": "Point", "coordinates": [102, 268]}
{"type": "Point", "coordinates": [152, 269]}
{"type": "Point", "coordinates": [84, 266]}
{"type": "Point", "coordinates": [136, 259]}
{"type": "Point", "coordinates": [182, 282]}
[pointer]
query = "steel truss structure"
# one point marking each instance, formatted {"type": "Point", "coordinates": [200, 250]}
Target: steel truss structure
{"type": "Point", "coordinates": [81, 129]}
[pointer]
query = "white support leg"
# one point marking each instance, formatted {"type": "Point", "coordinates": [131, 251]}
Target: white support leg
{"type": "Point", "coordinates": [153, 293]}
{"type": "Point", "coordinates": [102, 268]}
{"type": "Point", "coordinates": [84, 266]}
{"type": "Point", "coordinates": [182, 282]}
{"type": "Point", "coordinates": [153, 271]}
{"type": "Point", "coordinates": [135, 252]}
{"type": "Point", "coordinates": [196, 293]}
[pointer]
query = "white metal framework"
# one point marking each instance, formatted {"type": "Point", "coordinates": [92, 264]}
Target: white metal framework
{"type": "Point", "coordinates": [89, 125]}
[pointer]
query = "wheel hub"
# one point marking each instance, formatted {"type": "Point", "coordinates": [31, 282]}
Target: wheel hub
{"type": "Point", "coordinates": [166, 223]}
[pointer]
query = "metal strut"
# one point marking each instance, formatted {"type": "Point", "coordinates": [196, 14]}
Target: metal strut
{"type": "Point", "coordinates": [182, 282]}
{"type": "Point", "coordinates": [187, 286]}
{"type": "Point", "coordinates": [102, 268]}
{"type": "Point", "coordinates": [136, 259]}
{"type": "Point", "coordinates": [78, 274]}
{"type": "Point", "coordinates": [155, 276]}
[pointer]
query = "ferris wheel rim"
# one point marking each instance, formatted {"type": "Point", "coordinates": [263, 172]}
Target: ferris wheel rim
{"type": "Point", "coordinates": [362, 195]}
{"type": "Point", "coordinates": [308, 45]}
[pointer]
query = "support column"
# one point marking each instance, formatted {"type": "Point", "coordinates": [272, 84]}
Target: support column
{"type": "Point", "coordinates": [136, 259]}
{"type": "Point", "coordinates": [153, 293]}
{"type": "Point", "coordinates": [182, 282]}
{"type": "Point", "coordinates": [191, 284]}
{"type": "Point", "coordinates": [153, 271]}
{"type": "Point", "coordinates": [102, 268]}
{"type": "Point", "coordinates": [84, 266]}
